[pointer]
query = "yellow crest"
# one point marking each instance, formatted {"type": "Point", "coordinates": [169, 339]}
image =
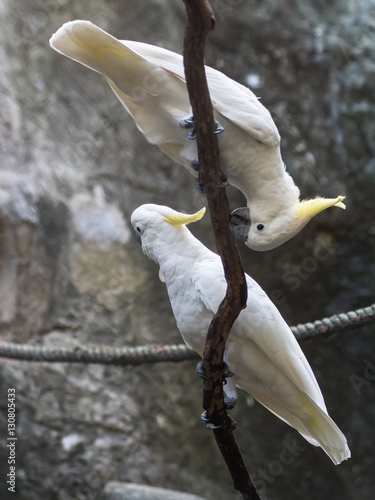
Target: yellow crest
{"type": "Point", "coordinates": [309, 208]}
{"type": "Point", "coordinates": [179, 219]}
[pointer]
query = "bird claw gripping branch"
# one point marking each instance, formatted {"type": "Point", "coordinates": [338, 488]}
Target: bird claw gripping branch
{"type": "Point", "coordinates": [225, 372]}
{"type": "Point", "coordinates": [210, 425]}
{"type": "Point", "coordinates": [189, 123]}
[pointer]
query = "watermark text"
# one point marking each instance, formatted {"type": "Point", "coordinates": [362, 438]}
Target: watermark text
{"type": "Point", "coordinates": [11, 440]}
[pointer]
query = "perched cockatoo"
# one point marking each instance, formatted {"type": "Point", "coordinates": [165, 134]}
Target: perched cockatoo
{"type": "Point", "coordinates": [261, 352]}
{"type": "Point", "coordinates": [150, 83]}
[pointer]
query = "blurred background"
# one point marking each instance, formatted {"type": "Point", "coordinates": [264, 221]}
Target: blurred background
{"type": "Point", "coordinates": [73, 167]}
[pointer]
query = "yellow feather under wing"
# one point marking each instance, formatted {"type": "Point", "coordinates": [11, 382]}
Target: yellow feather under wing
{"type": "Point", "coordinates": [313, 423]}
{"type": "Point", "coordinates": [326, 433]}
{"type": "Point", "coordinates": [89, 45]}
{"type": "Point", "coordinates": [270, 365]}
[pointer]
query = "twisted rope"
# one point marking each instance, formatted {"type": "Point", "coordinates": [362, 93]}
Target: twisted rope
{"type": "Point", "coordinates": [167, 353]}
{"type": "Point", "coordinates": [99, 354]}
{"type": "Point", "coordinates": [335, 323]}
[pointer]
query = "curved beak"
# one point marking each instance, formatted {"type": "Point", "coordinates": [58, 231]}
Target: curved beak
{"type": "Point", "coordinates": [139, 237]}
{"type": "Point", "coordinates": [240, 223]}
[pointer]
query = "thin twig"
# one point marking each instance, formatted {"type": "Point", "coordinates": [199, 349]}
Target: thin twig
{"type": "Point", "coordinates": [200, 22]}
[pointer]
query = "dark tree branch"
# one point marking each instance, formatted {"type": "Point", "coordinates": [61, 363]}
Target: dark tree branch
{"type": "Point", "coordinates": [200, 22]}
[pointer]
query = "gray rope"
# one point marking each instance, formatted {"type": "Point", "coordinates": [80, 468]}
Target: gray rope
{"type": "Point", "coordinates": [335, 323]}
{"type": "Point", "coordinates": [154, 354]}
{"type": "Point", "coordinates": [98, 354]}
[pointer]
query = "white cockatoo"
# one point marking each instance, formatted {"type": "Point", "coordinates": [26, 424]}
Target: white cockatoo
{"type": "Point", "coordinates": [150, 83]}
{"type": "Point", "coordinates": [261, 352]}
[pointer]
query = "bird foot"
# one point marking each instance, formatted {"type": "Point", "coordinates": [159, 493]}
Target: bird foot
{"type": "Point", "coordinates": [199, 187]}
{"type": "Point", "coordinates": [223, 179]}
{"type": "Point", "coordinates": [200, 371]}
{"type": "Point", "coordinates": [219, 128]}
{"type": "Point", "coordinates": [192, 135]}
{"type": "Point", "coordinates": [211, 426]}
{"type": "Point", "coordinates": [194, 165]}
{"type": "Point", "coordinates": [224, 372]}
{"type": "Point", "coordinates": [230, 403]}
{"type": "Point", "coordinates": [189, 123]}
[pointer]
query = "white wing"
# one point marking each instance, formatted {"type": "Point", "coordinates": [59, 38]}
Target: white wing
{"type": "Point", "coordinates": [262, 325]}
{"type": "Point", "coordinates": [155, 98]}
{"type": "Point", "coordinates": [136, 71]}
{"type": "Point", "coordinates": [231, 99]}
{"type": "Point", "coordinates": [269, 363]}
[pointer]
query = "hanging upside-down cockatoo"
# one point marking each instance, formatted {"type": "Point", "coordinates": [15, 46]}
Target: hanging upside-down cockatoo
{"type": "Point", "coordinates": [261, 352]}
{"type": "Point", "coordinates": [150, 83]}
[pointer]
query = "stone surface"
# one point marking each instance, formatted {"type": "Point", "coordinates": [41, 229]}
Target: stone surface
{"type": "Point", "coordinates": [72, 169]}
{"type": "Point", "coordinates": [122, 491]}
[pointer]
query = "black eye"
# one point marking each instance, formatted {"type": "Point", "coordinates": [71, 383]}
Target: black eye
{"type": "Point", "coordinates": [260, 227]}
{"type": "Point", "coordinates": [138, 229]}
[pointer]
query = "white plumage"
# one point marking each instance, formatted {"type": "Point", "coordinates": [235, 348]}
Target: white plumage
{"type": "Point", "coordinates": [261, 350]}
{"type": "Point", "coordinates": [150, 83]}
